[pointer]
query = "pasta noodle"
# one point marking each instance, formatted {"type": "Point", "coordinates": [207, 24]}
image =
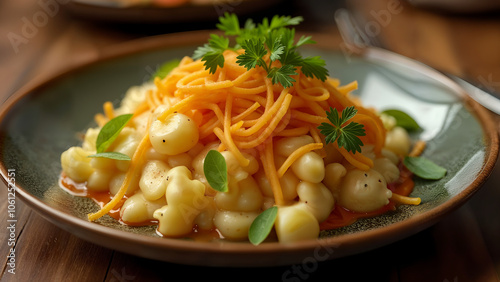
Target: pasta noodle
{"type": "Point", "coordinates": [243, 114]}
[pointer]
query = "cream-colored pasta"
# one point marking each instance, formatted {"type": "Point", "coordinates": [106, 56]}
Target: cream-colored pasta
{"type": "Point", "coordinates": [288, 183]}
{"type": "Point", "coordinates": [137, 209]}
{"type": "Point", "coordinates": [198, 161]}
{"type": "Point", "coordinates": [90, 139]}
{"type": "Point", "coordinates": [76, 165]}
{"type": "Point", "coordinates": [152, 154]}
{"type": "Point", "coordinates": [116, 182]}
{"type": "Point", "coordinates": [126, 143]}
{"type": "Point", "coordinates": [363, 191]}
{"type": "Point", "coordinates": [388, 121]}
{"type": "Point", "coordinates": [286, 146]}
{"type": "Point", "coordinates": [177, 134]}
{"type": "Point", "coordinates": [234, 225]}
{"type": "Point", "coordinates": [334, 173]}
{"type": "Point", "coordinates": [153, 181]}
{"type": "Point", "coordinates": [316, 198]}
{"type": "Point", "coordinates": [267, 202]}
{"type": "Point", "coordinates": [309, 167]}
{"type": "Point", "coordinates": [175, 221]}
{"type": "Point", "coordinates": [295, 223]}
{"type": "Point", "coordinates": [196, 150]}
{"type": "Point", "coordinates": [103, 163]}
{"type": "Point", "coordinates": [178, 119]}
{"type": "Point", "coordinates": [182, 189]}
{"type": "Point", "coordinates": [134, 96]}
{"type": "Point", "coordinates": [182, 159]}
{"type": "Point", "coordinates": [140, 123]}
{"type": "Point", "coordinates": [391, 156]}
{"type": "Point", "coordinates": [244, 196]}
{"type": "Point", "coordinates": [398, 141]}
{"type": "Point", "coordinates": [367, 151]}
{"type": "Point", "coordinates": [387, 169]}
{"type": "Point", "coordinates": [185, 198]}
{"type": "Point", "coordinates": [235, 170]}
{"type": "Point", "coordinates": [205, 219]}
{"type": "Point", "coordinates": [99, 180]}
{"type": "Point", "coordinates": [332, 154]}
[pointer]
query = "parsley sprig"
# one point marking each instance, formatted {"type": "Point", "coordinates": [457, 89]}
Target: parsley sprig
{"type": "Point", "coordinates": [346, 135]}
{"type": "Point", "coordinates": [274, 38]}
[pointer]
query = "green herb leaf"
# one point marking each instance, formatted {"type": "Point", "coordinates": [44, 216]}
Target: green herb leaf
{"type": "Point", "coordinates": [283, 21]}
{"type": "Point", "coordinates": [314, 66]}
{"type": "Point", "coordinates": [254, 50]}
{"type": "Point", "coordinates": [424, 168]}
{"type": "Point", "coordinates": [347, 136]}
{"type": "Point", "coordinates": [109, 132]}
{"type": "Point", "coordinates": [283, 75]}
{"type": "Point", "coordinates": [403, 119]}
{"type": "Point", "coordinates": [262, 225]}
{"type": "Point", "coordinates": [212, 52]}
{"type": "Point", "coordinates": [166, 68]}
{"type": "Point", "coordinates": [215, 170]}
{"type": "Point", "coordinates": [273, 38]}
{"type": "Point", "coordinates": [305, 40]}
{"type": "Point", "coordinates": [276, 49]}
{"type": "Point", "coordinates": [229, 23]}
{"type": "Point", "coordinates": [111, 155]}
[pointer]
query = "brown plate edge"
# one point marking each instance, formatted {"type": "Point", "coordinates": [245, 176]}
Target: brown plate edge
{"type": "Point", "coordinates": [242, 255]}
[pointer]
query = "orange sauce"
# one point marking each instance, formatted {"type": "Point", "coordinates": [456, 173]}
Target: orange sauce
{"type": "Point", "coordinates": [341, 216]}
{"type": "Point", "coordinates": [404, 185]}
{"type": "Point", "coordinates": [102, 198]}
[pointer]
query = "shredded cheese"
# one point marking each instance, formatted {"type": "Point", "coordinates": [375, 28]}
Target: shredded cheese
{"type": "Point", "coordinates": [244, 110]}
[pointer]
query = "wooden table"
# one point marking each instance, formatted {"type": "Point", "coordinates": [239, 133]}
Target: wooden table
{"type": "Point", "coordinates": [464, 246]}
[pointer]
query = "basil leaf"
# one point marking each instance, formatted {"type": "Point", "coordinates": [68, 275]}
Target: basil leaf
{"type": "Point", "coordinates": [403, 119]}
{"type": "Point", "coordinates": [262, 225]}
{"type": "Point", "coordinates": [166, 68]}
{"type": "Point", "coordinates": [424, 168]}
{"type": "Point", "coordinates": [111, 155]}
{"type": "Point", "coordinates": [110, 131]}
{"type": "Point", "coordinates": [215, 170]}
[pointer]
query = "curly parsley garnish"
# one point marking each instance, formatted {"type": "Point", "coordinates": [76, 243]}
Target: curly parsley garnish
{"type": "Point", "coordinates": [273, 38]}
{"type": "Point", "coordinates": [345, 135]}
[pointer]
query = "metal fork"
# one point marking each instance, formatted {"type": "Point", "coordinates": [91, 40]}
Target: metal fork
{"type": "Point", "coordinates": [354, 37]}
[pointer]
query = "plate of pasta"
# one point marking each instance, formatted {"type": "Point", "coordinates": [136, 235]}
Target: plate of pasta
{"type": "Point", "coordinates": [250, 146]}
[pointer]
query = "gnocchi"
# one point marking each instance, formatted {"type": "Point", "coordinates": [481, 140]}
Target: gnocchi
{"type": "Point", "coordinates": [76, 165]}
{"type": "Point", "coordinates": [178, 134]}
{"type": "Point", "coordinates": [294, 223]}
{"type": "Point", "coordinates": [273, 142]}
{"type": "Point", "coordinates": [153, 182]}
{"type": "Point", "coordinates": [234, 224]}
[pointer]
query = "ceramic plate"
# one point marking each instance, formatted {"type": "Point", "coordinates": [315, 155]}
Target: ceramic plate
{"type": "Point", "coordinates": [39, 123]}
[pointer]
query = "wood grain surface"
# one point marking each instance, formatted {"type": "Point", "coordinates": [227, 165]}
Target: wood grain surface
{"type": "Point", "coordinates": [464, 246]}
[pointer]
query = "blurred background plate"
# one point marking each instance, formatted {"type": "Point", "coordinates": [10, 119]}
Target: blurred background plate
{"type": "Point", "coordinates": [162, 12]}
